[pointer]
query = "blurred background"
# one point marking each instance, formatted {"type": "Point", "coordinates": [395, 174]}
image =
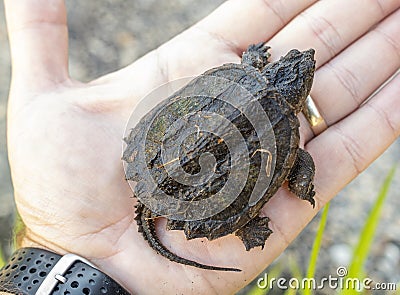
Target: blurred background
{"type": "Point", "coordinates": [106, 35]}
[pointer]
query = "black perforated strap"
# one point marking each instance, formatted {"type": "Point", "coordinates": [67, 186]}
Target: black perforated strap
{"type": "Point", "coordinates": [29, 268]}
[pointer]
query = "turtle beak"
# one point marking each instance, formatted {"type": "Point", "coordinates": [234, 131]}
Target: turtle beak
{"type": "Point", "coordinates": [308, 61]}
{"type": "Point", "coordinates": [309, 54]}
{"type": "Point", "coordinates": [304, 61]}
{"type": "Point", "coordinates": [307, 68]}
{"type": "Point", "coordinates": [304, 66]}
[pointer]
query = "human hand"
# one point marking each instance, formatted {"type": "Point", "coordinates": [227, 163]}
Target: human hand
{"type": "Point", "coordinates": [64, 136]}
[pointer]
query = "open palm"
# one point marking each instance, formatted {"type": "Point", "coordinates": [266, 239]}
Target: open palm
{"type": "Point", "coordinates": [65, 137]}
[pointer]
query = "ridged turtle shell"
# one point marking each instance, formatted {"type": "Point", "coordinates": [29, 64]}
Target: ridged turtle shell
{"type": "Point", "coordinates": [285, 128]}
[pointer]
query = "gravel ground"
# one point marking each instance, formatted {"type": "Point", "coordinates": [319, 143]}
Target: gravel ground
{"type": "Point", "coordinates": [106, 35]}
{"type": "Point", "coordinates": [6, 191]}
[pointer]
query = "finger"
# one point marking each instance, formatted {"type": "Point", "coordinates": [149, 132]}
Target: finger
{"type": "Point", "coordinates": [38, 40]}
{"type": "Point", "coordinates": [344, 83]}
{"type": "Point", "coordinates": [184, 56]}
{"type": "Point", "coordinates": [330, 26]}
{"type": "Point", "coordinates": [356, 141]}
{"type": "Point", "coordinates": [353, 144]}
{"type": "Point", "coordinates": [219, 38]}
{"type": "Point", "coordinates": [241, 23]}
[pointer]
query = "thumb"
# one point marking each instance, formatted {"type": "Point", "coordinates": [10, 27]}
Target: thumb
{"type": "Point", "coordinates": [39, 42]}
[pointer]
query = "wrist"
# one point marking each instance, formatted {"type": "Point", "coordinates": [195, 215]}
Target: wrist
{"type": "Point", "coordinates": [31, 241]}
{"type": "Point", "coordinates": [38, 271]}
{"type": "Point", "coordinates": [106, 256]}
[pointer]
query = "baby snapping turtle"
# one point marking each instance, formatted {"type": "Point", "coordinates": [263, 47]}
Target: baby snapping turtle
{"type": "Point", "coordinates": [281, 89]}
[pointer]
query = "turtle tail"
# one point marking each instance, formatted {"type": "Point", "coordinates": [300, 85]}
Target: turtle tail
{"type": "Point", "coordinates": [146, 225]}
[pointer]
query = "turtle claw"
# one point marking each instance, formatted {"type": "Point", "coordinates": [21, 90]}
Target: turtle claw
{"type": "Point", "coordinates": [255, 233]}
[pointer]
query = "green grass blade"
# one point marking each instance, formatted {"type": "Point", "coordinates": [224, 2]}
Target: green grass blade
{"type": "Point", "coordinates": [362, 249]}
{"type": "Point", "coordinates": [257, 291]}
{"type": "Point", "coordinates": [295, 268]}
{"type": "Point", "coordinates": [18, 231]}
{"type": "Point", "coordinates": [290, 291]}
{"type": "Point", "coordinates": [312, 264]}
{"type": "Point", "coordinates": [1, 259]}
{"type": "Point", "coordinates": [297, 273]}
{"type": "Point", "coordinates": [275, 272]}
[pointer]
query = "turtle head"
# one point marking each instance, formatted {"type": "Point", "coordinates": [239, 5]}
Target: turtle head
{"type": "Point", "coordinates": [292, 76]}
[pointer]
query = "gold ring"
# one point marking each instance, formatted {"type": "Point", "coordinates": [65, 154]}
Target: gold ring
{"type": "Point", "coordinates": [317, 123]}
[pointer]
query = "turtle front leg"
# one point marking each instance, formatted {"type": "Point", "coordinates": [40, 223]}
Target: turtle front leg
{"type": "Point", "coordinates": [256, 56]}
{"type": "Point", "coordinates": [301, 177]}
{"type": "Point", "coordinates": [255, 233]}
